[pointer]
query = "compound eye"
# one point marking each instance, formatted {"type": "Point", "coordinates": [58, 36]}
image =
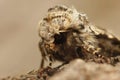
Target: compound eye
{"type": "Point", "coordinates": [82, 26]}
{"type": "Point", "coordinates": [60, 38]}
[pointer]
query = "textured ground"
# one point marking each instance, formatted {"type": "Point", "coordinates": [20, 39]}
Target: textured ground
{"type": "Point", "coordinates": [79, 70]}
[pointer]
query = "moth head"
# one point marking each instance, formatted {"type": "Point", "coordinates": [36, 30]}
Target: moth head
{"type": "Point", "coordinates": [58, 21]}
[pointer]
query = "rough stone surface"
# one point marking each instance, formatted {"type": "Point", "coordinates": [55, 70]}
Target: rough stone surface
{"type": "Point", "coordinates": [80, 70]}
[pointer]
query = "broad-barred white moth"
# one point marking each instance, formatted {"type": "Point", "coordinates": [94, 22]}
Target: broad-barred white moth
{"type": "Point", "coordinates": [66, 34]}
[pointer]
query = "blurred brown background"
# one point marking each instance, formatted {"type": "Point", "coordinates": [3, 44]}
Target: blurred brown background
{"type": "Point", "coordinates": [19, 51]}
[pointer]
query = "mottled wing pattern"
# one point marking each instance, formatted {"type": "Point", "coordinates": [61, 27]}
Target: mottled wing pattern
{"type": "Point", "coordinates": [67, 34]}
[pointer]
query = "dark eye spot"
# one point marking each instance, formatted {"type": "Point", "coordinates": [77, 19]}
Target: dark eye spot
{"type": "Point", "coordinates": [82, 26]}
{"type": "Point", "coordinates": [60, 38]}
{"type": "Point", "coordinates": [46, 19]}
{"type": "Point", "coordinates": [79, 52]}
{"type": "Point", "coordinates": [115, 41]}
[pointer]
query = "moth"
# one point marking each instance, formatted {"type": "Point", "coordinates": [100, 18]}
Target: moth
{"type": "Point", "coordinates": [66, 34]}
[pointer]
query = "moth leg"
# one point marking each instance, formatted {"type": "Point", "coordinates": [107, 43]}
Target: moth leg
{"type": "Point", "coordinates": [49, 71]}
{"type": "Point", "coordinates": [42, 63]}
{"type": "Point", "coordinates": [57, 69]}
{"type": "Point", "coordinates": [43, 53]}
